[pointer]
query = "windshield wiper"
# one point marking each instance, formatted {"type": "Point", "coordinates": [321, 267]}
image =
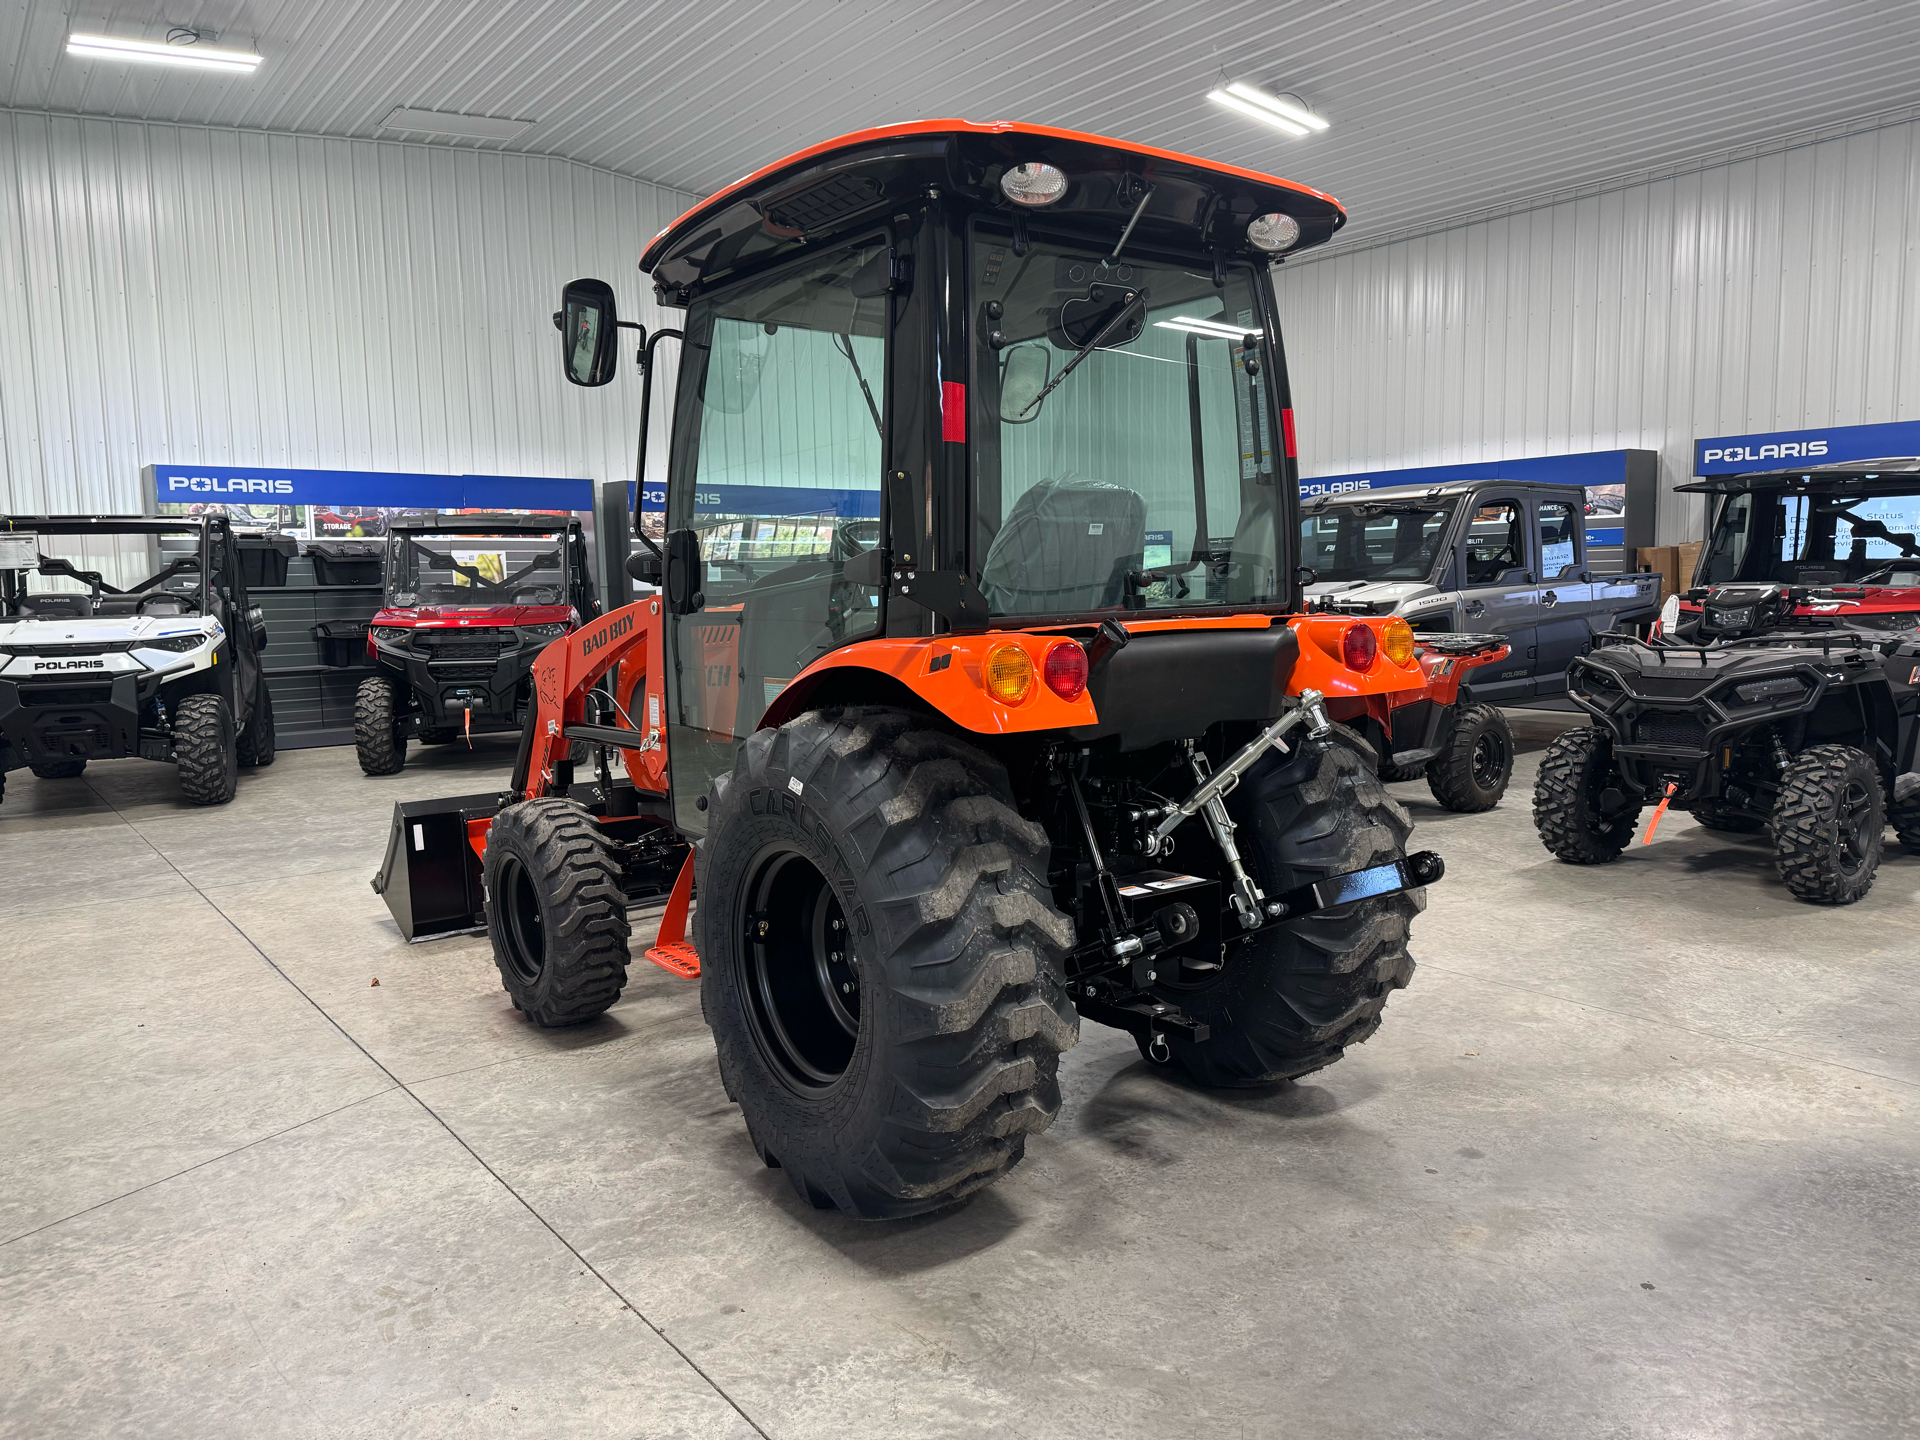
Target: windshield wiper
{"type": "Point", "coordinates": [1119, 318]}
{"type": "Point", "coordinates": [845, 345]}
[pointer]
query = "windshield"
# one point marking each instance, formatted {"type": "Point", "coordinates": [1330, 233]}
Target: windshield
{"type": "Point", "coordinates": [516, 569]}
{"type": "Point", "coordinates": [1123, 446]}
{"type": "Point", "coordinates": [1826, 537]}
{"type": "Point", "coordinates": [101, 572]}
{"type": "Point", "coordinates": [1374, 541]}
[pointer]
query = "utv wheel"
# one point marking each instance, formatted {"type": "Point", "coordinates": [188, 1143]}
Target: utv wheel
{"type": "Point", "coordinates": [1733, 819]}
{"type": "Point", "coordinates": [205, 749]}
{"type": "Point", "coordinates": [1392, 774]}
{"type": "Point", "coordinates": [378, 738]}
{"type": "Point", "coordinates": [1905, 816]}
{"type": "Point", "coordinates": [880, 961]}
{"type": "Point", "coordinates": [1827, 825]}
{"type": "Point", "coordinates": [555, 911]}
{"type": "Point", "coordinates": [1291, 999]}
{"type": "Point", "coordinates": [1476, 761]}
{"type": "Point", "coordinates": [1579, 813]}
{"type": "Point", "coordinates": [257, 742]}
{"type": "Point", "coordinates": [59, 770]}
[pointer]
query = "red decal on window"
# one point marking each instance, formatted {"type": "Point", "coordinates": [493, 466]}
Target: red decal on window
{"type": "Point", "coordinates": [1287, 432]}
{"type": "Point", "coordinates": [953, 410]}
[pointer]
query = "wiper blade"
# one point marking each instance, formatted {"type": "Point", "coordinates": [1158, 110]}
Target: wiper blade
{"type": "Point", "coordinates": [1120, 317]}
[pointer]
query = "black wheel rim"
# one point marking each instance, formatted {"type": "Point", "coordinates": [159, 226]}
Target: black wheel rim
{"type": "Point", "coordinates": [1489, 760]}
{"type": "Point", "coordinates": [525, 932]}
{"type": "Point", "coordinates": [1855, 815]}
{"type": "Point", "coordinates": [801, 983]}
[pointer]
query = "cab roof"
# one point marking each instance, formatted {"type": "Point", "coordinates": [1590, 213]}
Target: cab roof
{"type": "Point", "coordinates": [120, 524]}
{"type": "Point", "coordinates": [1198, 205]}
{"type": "Point", "coordinates": [482, 523]}
{"type": "Point", "coordinates": [1810, 477]}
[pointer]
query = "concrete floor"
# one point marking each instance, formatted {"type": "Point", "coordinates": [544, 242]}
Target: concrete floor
{"type": "Point", "coordinates": [1634, 1155]}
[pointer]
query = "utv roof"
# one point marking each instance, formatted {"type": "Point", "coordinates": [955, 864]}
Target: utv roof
{"type": "Point", "coordinates": [483, 523]}
{"type": "Point", "coordinates": [1442, 491]}
{"type": "Point", "coordinates": [1897, 467]}
{"type": "Point", "coordinates": [125, 524]}
{"type": "Point", "coordinates": [857, 179]}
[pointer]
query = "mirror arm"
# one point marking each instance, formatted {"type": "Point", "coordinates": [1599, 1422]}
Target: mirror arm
{"type": "Point", "coordinates": [640, 453]}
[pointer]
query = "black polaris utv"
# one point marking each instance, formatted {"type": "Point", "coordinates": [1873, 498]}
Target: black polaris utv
{"type": "Point", "coordinates": [471, 600]}
{"type": "Point", "coordinates": [1779, 695]}
{"type": "Point", "coordinates": [166, 669]}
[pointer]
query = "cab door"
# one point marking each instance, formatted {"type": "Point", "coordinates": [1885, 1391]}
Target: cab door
{"type": "Point", "coordinates": [1567, 595]}
{"type": "Point", "coordinates": [1500, 593]}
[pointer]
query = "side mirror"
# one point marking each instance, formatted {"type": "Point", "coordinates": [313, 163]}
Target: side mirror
{"type": "Point", "coordinates": [644, 566]}
{"type": "Point", "coordinates": [589, 332]}
{"type": "Point", "coordinates": [1024, 375]}
{"type": "Point", "coordinates": [257, 622]}
{"type": "Point", "coordinates": [686, 573]}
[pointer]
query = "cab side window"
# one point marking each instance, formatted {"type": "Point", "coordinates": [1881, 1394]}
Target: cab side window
{"type": "Point", "coordinates": [1557, 539]}
{"type": "Point", "coordinates": [1496, 543]}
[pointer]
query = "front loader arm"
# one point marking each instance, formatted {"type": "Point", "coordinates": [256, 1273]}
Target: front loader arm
{"type": "Point", "coordinates": [630, 642]}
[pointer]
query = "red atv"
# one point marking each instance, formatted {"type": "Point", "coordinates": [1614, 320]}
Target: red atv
{"type": "Point", "coordinates": [471, 599]}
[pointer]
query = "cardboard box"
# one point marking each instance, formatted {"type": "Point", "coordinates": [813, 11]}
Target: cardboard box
{"type": "Point", "coordinates": [1690, 555]}
{"type": "Point", "coordinates": [1664, 561]}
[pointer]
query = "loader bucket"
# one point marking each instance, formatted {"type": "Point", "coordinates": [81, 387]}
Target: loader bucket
{"type": "Point", "coordinates": [430, 878]}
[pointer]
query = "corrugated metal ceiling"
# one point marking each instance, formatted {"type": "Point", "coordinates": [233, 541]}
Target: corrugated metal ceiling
{"type": "Point", "coordinates": [1438, 109]}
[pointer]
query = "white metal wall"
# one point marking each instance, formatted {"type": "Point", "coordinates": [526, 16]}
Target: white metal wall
{"type": "Point", "coordinates": [1768, 293]}
{"type": "Point", "coordinates": [175, 293]}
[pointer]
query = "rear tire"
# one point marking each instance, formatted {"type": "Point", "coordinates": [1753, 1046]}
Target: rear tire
{"type": "Point", "coordinates": [1905, 817]}
{"type": "Point", "coordinates": [206, 750]}
{"type": "Point", "coordinates": [881, 961]}
{"type": "Point", "coordinates": [1290, 1000]}
{"type": "Point", "coordinates": [257, 741]}
{"type": "Point", "coordinates": [555, 911]}
{"type": "Point", "coordinates": [1732, 819]}
{"type": "Point", "coordinates": [59, 770]}
{"type": "Point", "coordinates": [1392, 774]}
{"type": "Point", "coordinates": [1476, 761]}
{"type": "Point", "coordinates": [438, 736]}
{"type": "Point", "coordinates": [378, 739]}
{"type": "Point", "coordinates": [1568, 813]}
{"type": "Point", "coordinates": [1827, 825]}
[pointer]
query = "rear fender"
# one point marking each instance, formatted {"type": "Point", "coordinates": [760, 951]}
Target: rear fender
{"type": "Point", "coordinates": [1321, 668]}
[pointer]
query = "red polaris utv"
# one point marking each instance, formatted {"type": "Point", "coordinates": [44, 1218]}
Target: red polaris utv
{"type": "Point", "coordinates": [471, 600]}
{"type": "Point", "coordinates": [1046, 742]}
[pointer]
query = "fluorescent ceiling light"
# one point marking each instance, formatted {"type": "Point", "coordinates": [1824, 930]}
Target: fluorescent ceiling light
{"type": "Point", "coordinates": [1212, 328]}
{"type": "Point", "coordinates": [446, 122]}
{"type": "Point", "coordinates": [1286, 109]}
{"type": "Point", "coordinates": [152, 52]}
{"type": "Point", "coordinates": [1234, 102]}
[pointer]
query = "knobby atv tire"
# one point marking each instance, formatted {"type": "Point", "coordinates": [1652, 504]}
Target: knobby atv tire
{"type": "Point", "coordinates": [1476, 761]}
{"type": "Point", "coordinates": [1827, 825]}
{"type": "Point", "coordinates": [1392, 774]}
{"type": "Point", "coordinates": [257, 741]}
{"type": "Point", "coordinates": [1905, 817]}
{"type": "Point", "coordinates": [378, 739]}
{"type": "Point", "coordinates": [206, 750]}
{"type": "Point", "coordinates": [912, 841]}
{"type": "Point", "coordinates": [1567, 800]}
{"type": "Point", "coordinates": [555, 911]}
{"type": "Point", "coordinates": [1291, 999]}
{"type": "Point", "coordinates": [1732, 819]}
{"type": "Point", "coordinates": [59, 770]}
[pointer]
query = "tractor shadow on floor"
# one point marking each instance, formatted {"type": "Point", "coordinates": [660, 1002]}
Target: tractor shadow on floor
{"type": "Point", "coordinates": [969, 1226]}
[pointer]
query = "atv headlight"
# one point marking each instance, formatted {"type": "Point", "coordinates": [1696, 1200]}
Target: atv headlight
{"type": "Point", "coordinates": [1782, 686]}
{"type": "Point", "coordinates": [544, 632]}
{"type": "Point", "coordinates": [193, 640]}
{"type": "Point", "coordinates": [392, 634]}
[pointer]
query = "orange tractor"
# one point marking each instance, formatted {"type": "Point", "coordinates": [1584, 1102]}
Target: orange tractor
{"type": "Point", "coordinates": [977, 698]}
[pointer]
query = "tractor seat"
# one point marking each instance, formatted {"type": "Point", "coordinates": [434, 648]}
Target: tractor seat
{"type": "Point", "coordinates": [56, 605]}
{"type": "Point", "coordinates": [1067, 545]}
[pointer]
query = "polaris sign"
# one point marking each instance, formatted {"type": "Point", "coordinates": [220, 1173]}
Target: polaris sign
{"type": "Point", "coordinates": [169, 484]}
{"type": "Point", "coordinates": [1782, 449]}
{"type": "Point", "coordinates": [193, 487]}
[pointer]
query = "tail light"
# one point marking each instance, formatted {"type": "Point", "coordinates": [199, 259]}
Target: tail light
{"type": "Point", "coordinates": [1008, 674]}
{"type": "Point", "coordinates": [1358, 647]}
{"type": "Point", "coordinates": [1397, 639]}
{"type": "Point", "coordinates": [1065, 669]}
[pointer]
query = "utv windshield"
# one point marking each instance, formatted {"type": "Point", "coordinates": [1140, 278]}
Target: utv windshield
{"type": "Point", "coordinates": [103, 571]}
{"type": "Point", "coordinates": [1375, 540]}
{"type": "Point", "coordinates": [523, 568]}
{"type": "Point", "coordinates": [1121, 430]}
{"type": "Point", "coordinates": [1826, 537]}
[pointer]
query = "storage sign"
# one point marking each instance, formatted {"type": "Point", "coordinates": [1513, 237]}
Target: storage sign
{"type": "Point", "coordinates": [1783, 449]}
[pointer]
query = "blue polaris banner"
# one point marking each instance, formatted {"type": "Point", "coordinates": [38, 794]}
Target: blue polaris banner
{"type": "Point", "coordinates": [392, 489]}
{"type": "Point", "coordinates": [1829, 445]}
{"type": "Point", "coordinates": [774, 500]}
{"type": "Point", "coordinates": [1603, 473]}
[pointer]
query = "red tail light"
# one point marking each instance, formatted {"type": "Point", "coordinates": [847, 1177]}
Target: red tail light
{"type": "Point", "coordinates": [1358, 647]}
{"type": "Point", "coordinates": [1065, 670]}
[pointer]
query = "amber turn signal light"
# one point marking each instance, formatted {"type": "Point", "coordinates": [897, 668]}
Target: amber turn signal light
{"type": "Point", "coordinates": [1397, 639]}
{"type": "Point", "coordinates": [1008, 674]}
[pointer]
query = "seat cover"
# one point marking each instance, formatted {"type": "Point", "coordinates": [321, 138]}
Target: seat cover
{"type": "Point", "coordinates": [1066, 546]}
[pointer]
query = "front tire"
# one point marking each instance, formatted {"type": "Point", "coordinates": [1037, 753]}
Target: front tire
{"type": "Point", "coordinates": [1827, 825]}
{"type": "Point", "coordinates": [1291, 999]}
{"type": "Point", "coordinates": [555, 911]}
{"type": "Point", "coordinates": [881, 961]}
{"type": "Point", "coordinates": [1476, 761]}
{"type": "Point", "coordinates": [257, 741]}
{"type": "Point", "coordinates": [205, 749]}
{"type": "Point", "coordinates": [378, 739]}
{"type": "Point", "coordinates": [1571, 812]}
{"type": "Point", "coordinates": [59, 770]}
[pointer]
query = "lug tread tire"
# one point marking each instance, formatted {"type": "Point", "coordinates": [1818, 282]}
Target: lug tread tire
{"type": "Point", "coordinates": [377, 739]}
{"type": "Point", "coordinates": [1906, 820]}
{"type": "Point", "coordinates": [1732, 819]}
{"type": "Point", "coordinates": [206, 750]}
{"type": "Point", "coordinates": [964, 1010]}
{"type": "Point", "coordinates": [583, 910]}
{"type": "Point", "coordinates": [1807, 843]}
{"type": "Point", "coordinates": [257, 741]}
{"type": "Point", "coordinates": [60, 770]}
{"type": "Point", "coordinates": [1574, 768]}
{"type": "Point", "coordinates": [1392, 774]}
{"type": "Point", "coordinates": [1290, 1001]}
{"type": "Point", "coordinates": [1450, 775]}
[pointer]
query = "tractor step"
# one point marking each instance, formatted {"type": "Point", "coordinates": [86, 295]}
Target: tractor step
{"type": "Point", "coordinates": [671, 950]}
